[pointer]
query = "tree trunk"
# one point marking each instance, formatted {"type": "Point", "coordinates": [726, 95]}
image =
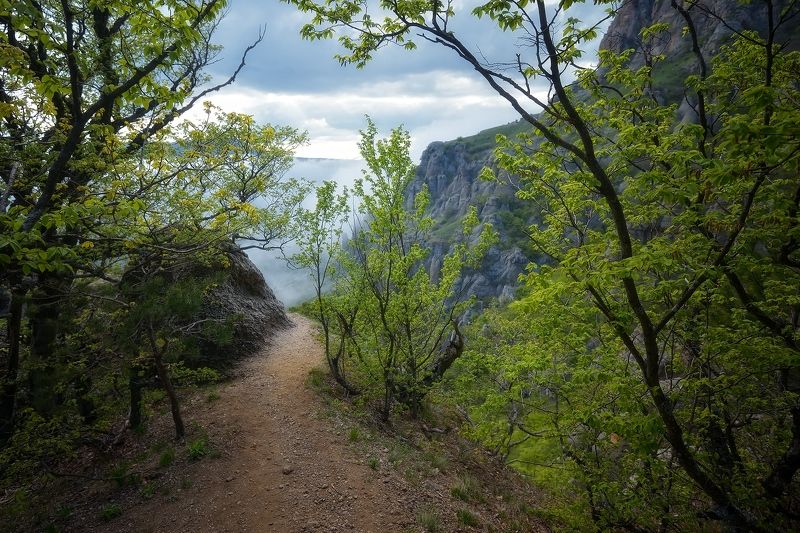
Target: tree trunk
{"type": "Point", "coordinates": [44, 315]}
{"type": "Point", "coordinates": [334, 361]}
{"type": "Point", "coordinates": [8, 396]}
{"type": "Point", "coordinates": [453, 350]}
{"type": "Point", "coordinates": [180, 431]}
{"type": "Point", "coordinates": [135, 387]}
{"type": "Point", "coordinates": [163, 376]}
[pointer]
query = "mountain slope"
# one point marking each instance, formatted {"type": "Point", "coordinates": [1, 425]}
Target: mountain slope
{"type": "Point", "coordinates": [450, 169]}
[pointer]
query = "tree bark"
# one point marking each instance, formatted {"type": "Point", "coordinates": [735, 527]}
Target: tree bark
{"type": "Point", "coordinates": [163, 376]}
{"type": "Point", "coordinates": [44, 316]}
{"type": "Point", "coordinates": [8, 396]}
{"type": "Point", "coordinates": [135, 388]}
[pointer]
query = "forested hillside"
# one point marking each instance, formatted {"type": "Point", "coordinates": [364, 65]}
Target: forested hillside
{"type": "Point", "coordinates": [647, 372]}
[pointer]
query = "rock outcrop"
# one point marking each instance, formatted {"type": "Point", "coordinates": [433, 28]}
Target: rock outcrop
{"type": "Point", "coordinates": [634, 15]}
{"type": "Point", "coordinates": [243, 298]}
{"type": "Point", "coordinates": [233, 316]}
{"type": "Point", "coordinates": [451, 173]}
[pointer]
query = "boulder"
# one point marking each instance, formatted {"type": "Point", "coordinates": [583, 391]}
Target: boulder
{"type": "Point", "coordinates": [243, 297]}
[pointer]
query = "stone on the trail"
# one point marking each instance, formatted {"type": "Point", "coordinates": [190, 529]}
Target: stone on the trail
{"type": "Point", "coordinates": [288, 469]}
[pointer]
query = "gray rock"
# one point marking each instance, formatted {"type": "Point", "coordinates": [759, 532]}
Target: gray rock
{"type": "Point", "coordinates": [243, 297]}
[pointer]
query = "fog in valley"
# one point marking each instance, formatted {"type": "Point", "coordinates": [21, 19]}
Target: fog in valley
{"type": "Point", "coordinates": [290, 285]}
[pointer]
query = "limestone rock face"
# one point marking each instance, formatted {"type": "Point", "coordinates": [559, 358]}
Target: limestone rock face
{"type": "Point", "coordinates": [633, 15]}
{"type": "Point", "coordinates": [450, 169]}
{"type": "Point", "coordinates": [450, 172]}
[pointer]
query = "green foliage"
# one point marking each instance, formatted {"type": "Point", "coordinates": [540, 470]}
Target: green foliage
{"type": "Point", "coordinates": [486, 140]}
{"type": "Point", "coordinates": [107, 200]}
{"type": "Point", "coordinates": [385, 318]}
{"type": "Point", "coordinates": [183, 376]}
{"type": "Point", "coordinates": [110, 512]}
{"type": "Point", "coordinates": [124, 477]}
{"type": "Point", "coordinates": [198, 448]}
{"type": "Point", "coordinates": [653, 367]}
{"type": "Point", "coordinates": [680, 317]}
{"type": "Point", "coordinates": [38, 439]}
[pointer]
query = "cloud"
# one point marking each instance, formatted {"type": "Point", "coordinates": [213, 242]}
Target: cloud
{"type": "Point", "coordinates": [432, 92]}
{"type": "Point", "coordinates": [436, 106]}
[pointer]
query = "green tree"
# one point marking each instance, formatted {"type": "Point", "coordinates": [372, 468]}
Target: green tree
{"type": "Point", "coordinates": [319, 239]}
{"type": "Point", "coordinates": [396, 325]}
{"type": "Point", "coordinates": [84, 86]}
{"type": "Point", "coordinates": [680, 236]}
{"type": "Point", "coordinates": [197, 194]}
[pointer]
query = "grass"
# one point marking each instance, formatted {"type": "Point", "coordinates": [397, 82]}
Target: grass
{"type": "Point", "coordinates": [373, 463]}
{"type": "Point", "coordinates": [110, 512]}
{"type": "Point", "coordinates": [148, 490]}
{"type": "Point", "coordinates": [466, 518]}
{"type": "Point", "coordinates": [354, 435]}
{"type": "Point", "coordinates": [397, 453]}
{"type": "Point", "coordinates": [485, 140]}
{"type": "Point", "coordinates": [468, 490]}
{"type": "Point", "coordinates": [64, 512]}
{"type": "Point", "coordinates": [447, 228]}
{"type": "Point", "coordinates": [428, 519]}
{"type": "Point", "coordinates": [198, 448]}
{"type": "Point", "coordinates": [167, 458]}
{"type": "Point", "coordinates": [316, 379]}
{"type": "Point", "coordinates": [123, 477]}
{"type": "Point", "coordinates": [436, 460]}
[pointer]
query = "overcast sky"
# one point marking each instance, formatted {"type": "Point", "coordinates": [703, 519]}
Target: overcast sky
{"type": "Point", "coordinates": [288, 80]}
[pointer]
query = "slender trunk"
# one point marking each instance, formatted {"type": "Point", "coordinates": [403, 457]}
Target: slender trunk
{"type": "Point", "coordinates": [180, 431]}
{"type": "Point", "coordinates": [163, 376]}
{"type": "Point", "coordinates": [334, 361]}
{"type": "Point", "coordinates": [44, 316]}
{"type": "Point", "coordinates": [86, 407]}
{"type": "Point", "coordinates": [8, 396]}
{"type": "Point", "coordinates": [453, 350]}
{"type": "Point", "coordinates": [135, 387]}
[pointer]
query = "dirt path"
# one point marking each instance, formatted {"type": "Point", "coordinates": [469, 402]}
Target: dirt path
{"type": "Point", "coordinates": [284, 468]}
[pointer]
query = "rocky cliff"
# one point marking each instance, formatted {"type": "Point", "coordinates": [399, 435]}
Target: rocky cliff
{"type": "Point", "coordinates": [244, 298]}
{"type": "Point", "coordinates": [450, 169]}
{"type": "Point", "coordinates": [707, 15]}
